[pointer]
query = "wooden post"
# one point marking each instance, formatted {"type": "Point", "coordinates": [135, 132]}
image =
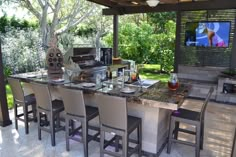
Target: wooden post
{"type": "Point", "coordinates": [115, 35]}
{"type": "Point", "coordinates": [178, 41]}
{"type": "Point", "coordinates": [4, 114]}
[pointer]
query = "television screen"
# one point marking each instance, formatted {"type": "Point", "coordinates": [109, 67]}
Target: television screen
{"type": "Point", "coordinates": [207, 34]}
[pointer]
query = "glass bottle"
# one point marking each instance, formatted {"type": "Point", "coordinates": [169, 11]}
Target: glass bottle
{"type": "Point", "coordinates": [98, 80]}
{"type": "Point", "coordinates": [108, 73]}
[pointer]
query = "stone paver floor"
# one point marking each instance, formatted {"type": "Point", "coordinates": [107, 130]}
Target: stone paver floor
{"type": "Point", "coordinates": [219, 129]}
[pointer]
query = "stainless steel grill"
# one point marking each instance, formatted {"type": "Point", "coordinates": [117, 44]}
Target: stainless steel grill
{"type": "Point", "coordinates": [85, 58]}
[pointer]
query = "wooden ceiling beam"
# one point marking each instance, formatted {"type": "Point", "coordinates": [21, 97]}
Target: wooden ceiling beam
{"type": "Point", "coordinates": [103, 2]}
{"type": "Point", "coordinates": [125, 3]}
{"type": "Point", "coordinates": [187, 6]}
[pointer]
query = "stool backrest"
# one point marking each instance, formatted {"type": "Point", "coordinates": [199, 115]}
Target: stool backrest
{"type": "Point", "coordinates": [17, 91]}
{"type": "Point", "coordinates": [204, 106]}
{"type": "Point", "coordinates": [73, 100]}
{"type": "Point", "coordinates": [112, 111]}
{"type": "Point", "coordinates": [42, 95]}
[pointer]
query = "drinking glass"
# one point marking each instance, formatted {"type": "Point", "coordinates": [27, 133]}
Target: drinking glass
{"type": "Point", "coordinates": [69, 73]}
{"type": "Point", "coordinates": [98, 80]}
{"type": "Point", "coordinates": [140, 81]}
{"type": "Point", "coordinates": [173, 83]}
{"type": "Point", "coordinates": [139, 77]}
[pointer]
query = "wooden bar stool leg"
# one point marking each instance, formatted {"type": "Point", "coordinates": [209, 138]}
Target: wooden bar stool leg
{"type": "Point", "coordinates": [176, 130]}
{"type": "Point", "coordinates": [34, 112]}
{"type": "Point", "coordinates": [58, 124]}
{"type": "Point", "coordinates": [139, 134]}
{"type": "Point", "coordinates": [67, 134]}
{"type": "Point", "coordinates": [116, 143]}
{"type": "Point", "coordinates": [102, 137]}
{"type": "Point", "coordinates": [15, 112]}
{"type": "Point", "coordinates": [52, 128]}
{"type": "Point", "coordinates": [71, 123]}
{"type": "Point", "coordinates": [39, 125]}
{"type": "Point", "coordinates": [125, 145]}
{"type": "Point", "coordinates": [202, 135]}
{"type": "Point", "coordinates": [25, 110]}
{"type": "Point", "coordinates": [85, 135]}
{"type": "Point", "coordinates": [198, 137]}
{"type": "Point", "coordinates": [172, 126]}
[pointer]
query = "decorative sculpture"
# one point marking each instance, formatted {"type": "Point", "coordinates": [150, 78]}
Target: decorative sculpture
{"type": "Point", "coordinates": [54, 59]}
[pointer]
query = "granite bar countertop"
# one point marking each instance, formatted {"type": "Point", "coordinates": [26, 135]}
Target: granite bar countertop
{"type": "Point", "coordinates": [39, 78]}
{"type": "Point", "coordinates": [168, 99]}
{"type": "Point", "coordinates": [158, 95]}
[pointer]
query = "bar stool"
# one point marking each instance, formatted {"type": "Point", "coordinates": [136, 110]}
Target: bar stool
{"type": "Point", "coordinates": [76, 110]}
{"type": "Point", "coordinates": [47, 107]}
{"type": "Point", "coordinates": [191, 118]}
{"type": "Point", "coordinates": [114, 120]}
{"type": "Point", "coordinates": [20, 100]}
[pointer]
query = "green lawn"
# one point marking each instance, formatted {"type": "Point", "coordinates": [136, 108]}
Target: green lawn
{"type": "Point", "coordinates": [9, 97]}
{"type": "Point", "coordinates": [152, 71]}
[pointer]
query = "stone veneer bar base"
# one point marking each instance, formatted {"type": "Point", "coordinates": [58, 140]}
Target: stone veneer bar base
{"type": "Point", "coordinates": [155, 124]}
{"type": "Point", "coordinates": [154, 114]}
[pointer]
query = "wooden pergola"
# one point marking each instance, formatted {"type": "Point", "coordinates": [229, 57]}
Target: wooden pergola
{"type": "Point", "coordinates": [122, 7]}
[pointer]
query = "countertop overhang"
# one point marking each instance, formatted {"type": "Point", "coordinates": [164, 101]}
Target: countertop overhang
{"type": "Point", "coordinates": [158, 95]}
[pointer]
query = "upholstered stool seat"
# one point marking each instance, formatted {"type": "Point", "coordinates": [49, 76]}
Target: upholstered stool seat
{"type": "Point", "coordinates": [186, 114]}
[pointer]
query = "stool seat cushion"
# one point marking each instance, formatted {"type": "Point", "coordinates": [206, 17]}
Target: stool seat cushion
{"type": "Point", "coordinates": [133, 122]}
{"type": "Point", "coordinates": [30, 99]}
{"type": "Point", "coordinates": [57, 105]}
{"type": "Point", "coordinates": [91, 111]}
{"type": "Point", "coordinates": [187, 114]}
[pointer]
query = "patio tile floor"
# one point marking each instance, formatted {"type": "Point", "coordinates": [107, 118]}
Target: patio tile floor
{"type": "Point", "coordinates": [219, 128]}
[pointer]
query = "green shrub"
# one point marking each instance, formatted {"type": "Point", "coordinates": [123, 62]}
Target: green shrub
{"type": "Point", "coordinates": [22, 51]}
{"type": "Point", "coordinates": [7, 71]}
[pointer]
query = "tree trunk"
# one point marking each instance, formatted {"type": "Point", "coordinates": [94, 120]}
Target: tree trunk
{"type": "Point", "coordinates": [44, 28]}
{"type": "Point", "coordinates": [98, 45]}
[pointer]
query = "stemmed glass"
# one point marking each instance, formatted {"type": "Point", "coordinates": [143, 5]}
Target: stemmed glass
{"type": "Point", "coordinates": [140, 80]}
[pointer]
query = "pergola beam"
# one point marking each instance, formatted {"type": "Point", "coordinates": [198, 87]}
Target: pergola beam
{"type": "Point", "coordinates": [177, 41]}
{"type": "Point", "coordinates": [186, 6]}
{"type": "Point", "coordinates": [115, 35]}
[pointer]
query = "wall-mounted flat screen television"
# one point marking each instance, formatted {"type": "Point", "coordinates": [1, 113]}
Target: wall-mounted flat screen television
{"type": "Point", "coordinates": [207, 34]}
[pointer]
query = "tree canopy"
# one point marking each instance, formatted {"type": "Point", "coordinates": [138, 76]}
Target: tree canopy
{"type": "Point", "coordinates": [57, 16]}
{"type": "Point", "coordinates": [144, 38]}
